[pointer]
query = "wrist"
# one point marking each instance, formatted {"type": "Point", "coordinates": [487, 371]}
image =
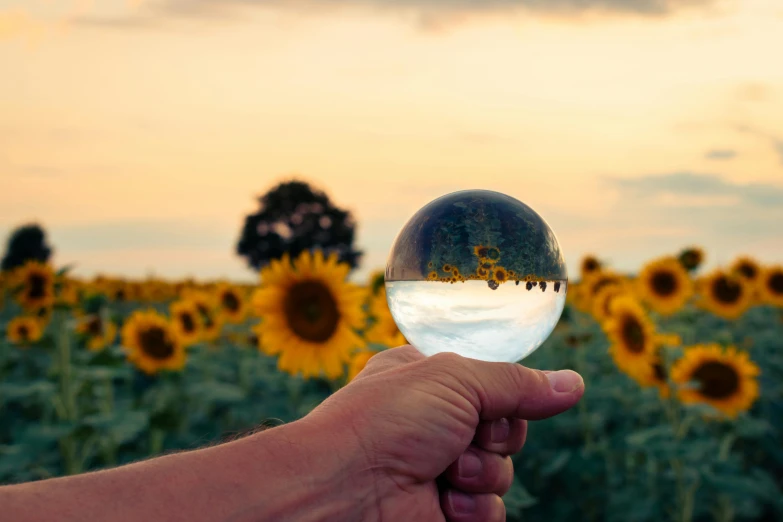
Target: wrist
{"type": "Point", "coordinates": [306, 472]}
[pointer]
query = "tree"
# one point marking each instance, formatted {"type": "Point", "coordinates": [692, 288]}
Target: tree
{"type": "Point", "coordinates": [295, 217]}
{"type": "Point", "coordinates": [26, 243]}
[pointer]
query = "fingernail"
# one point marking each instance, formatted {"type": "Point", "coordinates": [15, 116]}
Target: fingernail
{"type": "Point", "coordinates": [564, 381]}
{"type": "Point", "coordinates": [499, 430]}
{"type": "Point", "coordinates": [462, 503]}
{"type": "Point", "coordinates": [469, 465]}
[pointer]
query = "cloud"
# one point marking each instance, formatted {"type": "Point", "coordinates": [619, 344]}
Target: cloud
{"type": "Point", "coordinates": [721, 154]}
{"type": "Point", "coordinates": [700, 185]}
{"type": "Point", "coordinates": [430, 14]}
{"type": "Point", "coordinates": [774, 140]}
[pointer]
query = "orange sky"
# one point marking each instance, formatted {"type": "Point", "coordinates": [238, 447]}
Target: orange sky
{"type": "Point", "coordinates": [139, 133]}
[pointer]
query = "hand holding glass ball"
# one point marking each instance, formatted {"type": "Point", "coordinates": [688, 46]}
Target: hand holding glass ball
{"type": "Point", "coordinates": [477, 273]}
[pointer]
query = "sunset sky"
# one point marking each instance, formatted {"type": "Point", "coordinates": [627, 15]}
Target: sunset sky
{"type": "Point", "coordinates": [139, 132]}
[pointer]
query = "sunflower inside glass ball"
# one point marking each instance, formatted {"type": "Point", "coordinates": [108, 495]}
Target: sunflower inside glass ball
{"type": "Point", "coordinates": [477, 273]}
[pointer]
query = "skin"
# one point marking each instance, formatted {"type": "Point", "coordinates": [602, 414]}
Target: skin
{"type": "Point", "coordinates": [410, 438]}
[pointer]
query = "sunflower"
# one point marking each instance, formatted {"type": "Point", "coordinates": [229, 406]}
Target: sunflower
{"type": "Point", "coordinates": [358, 362]}
{"type": "Point", "coordinates": [593, 284]}
{"type": "Point", "coordinates": [24, 330]}
{"type": "Point", "coordinates": [232, 303]}
{"type": "Point", "coordinates": [499, 275]}
{"type": "Point", "coordinates": [664, 285]}
{"type": "Point", "coordinates": [43, 315]}
{"type": "Point", "coordinates": [601, 305]}
{"type": "Point", "coordinates": [724, 379]}
{"type": "Point", "coordinates": [691, 258]}
{"type": "Point", "coordinates": [589, 265]}
{"type": "Point", "coordinates": [724, 294]}
{"type": "Point", "coordinates": [771, 285]}
{"type": "Point", "coordinates": [211, 319]}
{"type": "Point", "coordinates": [309, 313]}
{"type": "Point", "coordinates": [746, 267]}
{"type": "Point", "coordinates": [37, 285]}
{"type": "Point", "coordinates": [67, 291]}
{"type": "Point", "coordinates": [384, 330]}
{"type": "Point", "coordinates": [654, 375]}
{"type": "Point", "coordinates": [632, 336]}
{"type": "Point", "coordinates": [97, 332]}
{"type": "Point", "coordinates": [186, 320]}
{"type": "Point", "coordinates": [152, 342]}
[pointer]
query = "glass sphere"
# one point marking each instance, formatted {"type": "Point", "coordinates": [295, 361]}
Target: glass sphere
{"type": "Point", "coordinates": [477, 273]}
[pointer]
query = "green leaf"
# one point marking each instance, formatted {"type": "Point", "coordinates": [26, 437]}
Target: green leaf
{"type": "Point", "coordinates": [643, 437]}
{"type": "Point", "coordinates": [557, 463]}
{"type": "Point", "coordinates": [518, 499]}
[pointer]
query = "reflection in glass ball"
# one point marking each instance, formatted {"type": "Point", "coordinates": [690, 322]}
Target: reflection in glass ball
{"type": "Point", "coordinates": [477, 273]}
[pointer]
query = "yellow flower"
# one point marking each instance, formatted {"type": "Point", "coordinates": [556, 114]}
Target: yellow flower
{"type": "Point", "coordinates": [664, 285]}
{"type": "Point", "coordinates": [24, 330]}
{"type": "Point", "coordinates": [37, 285]}
{"type": "Point", "coordinates": [747, 267]}
{"type": "Point", "coordinates": [97, 332]}
{"type": "Point", "coordinates": [724, 379]}
{"type": "Point", "coordinates": [211, 319]}
{"type": "Point", "coordinates": [632, 336]}
{"type": "Point", "coordinates": [358, 362]}
{"type": "Point", "coordinates": [186, 321]}
{"type": "Point", "coordinates": [771, 285]}
{"type": "Point", "coordinates": [309, 313]}
{"type": "Point", "coordinates": [654, 375]}
{"type": "Point", "coordinates": [151, 342]}
{"type": "Point", "coordinates": [68, 291]}
{"type": "Point", "coordinates": [725, 295]}
{"type": "Point", "coordinates": [591, 285]}
{"type": "Point", "coordinates": [499, 275]}
{"type": "Point", "coordinates": [232, 303]}
{"type": "Point", "coordinates": [601, 306]}
{"type": "Point", "coordinates": [384, 330]}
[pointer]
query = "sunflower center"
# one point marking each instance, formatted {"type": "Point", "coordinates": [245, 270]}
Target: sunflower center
{"type": "Point", "coordinates": [664, 283]}
{"type": "Point", "coordinates": [659, 372]}
{"type": "Point", "coordinates": [311, 311]}
{"type": "Point", "coordinates": [633, 335]}
{"type": "Point", "coordinates": [690, 259]}
{"type": "Point", "coordinates": [230, 301]}
{"type": "Point", "coordinates": [119, 295]}
{"type": "Point", "coordinates": [717, 380]}
{"type": "Point", "coordinates": [726, 290]}
{"type": "Point", "coordinates": [24, 332]}
{"type": "Point", "coordinates": [775, 283]}
{"type": "Point", "coordinates": [94, 326]}
{"type": "Point", "coordinates": [154, 343]}
{"type": "Point", "coordinates": [188, 324]}
{"type": "Point", "coordinates": [37, 286]}
{"type": "Point", "coordinates": [590, 265]}
{"type": "Point", "coordinates": [747, 270]}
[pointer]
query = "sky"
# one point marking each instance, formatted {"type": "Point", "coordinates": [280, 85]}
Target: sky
{"type": "Point", "coordinates": [140, 133]}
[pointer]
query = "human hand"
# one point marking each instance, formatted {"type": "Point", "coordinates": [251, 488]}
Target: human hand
{"type": "Point", "coordinates": [419, 421]}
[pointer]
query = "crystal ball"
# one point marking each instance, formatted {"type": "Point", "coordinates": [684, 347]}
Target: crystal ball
{"type": "Point", "coordinates": [477, 273]}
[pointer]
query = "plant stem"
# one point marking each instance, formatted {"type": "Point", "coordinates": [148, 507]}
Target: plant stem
{"type": "Point", "coordinates": [109, 446]}
{"type": "Point", "coordinates": [579, 363]}
{"type": "Point", "coordinates": [156, 441]}
{"type": "Point", "coordinates": [67, 396]}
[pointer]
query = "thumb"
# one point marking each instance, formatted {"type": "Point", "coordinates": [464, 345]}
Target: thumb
{"type": "Point", "coordinates": [499, 390]}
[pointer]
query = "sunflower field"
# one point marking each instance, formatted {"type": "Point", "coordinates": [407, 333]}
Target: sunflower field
{"type": "Point", "coordinates": [682, 418]}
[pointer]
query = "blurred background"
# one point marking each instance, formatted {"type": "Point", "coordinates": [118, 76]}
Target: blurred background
{"type": "Point", "coordinates": [156, 156]}
{"type": "Point", "coordinates": [139, 131]}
